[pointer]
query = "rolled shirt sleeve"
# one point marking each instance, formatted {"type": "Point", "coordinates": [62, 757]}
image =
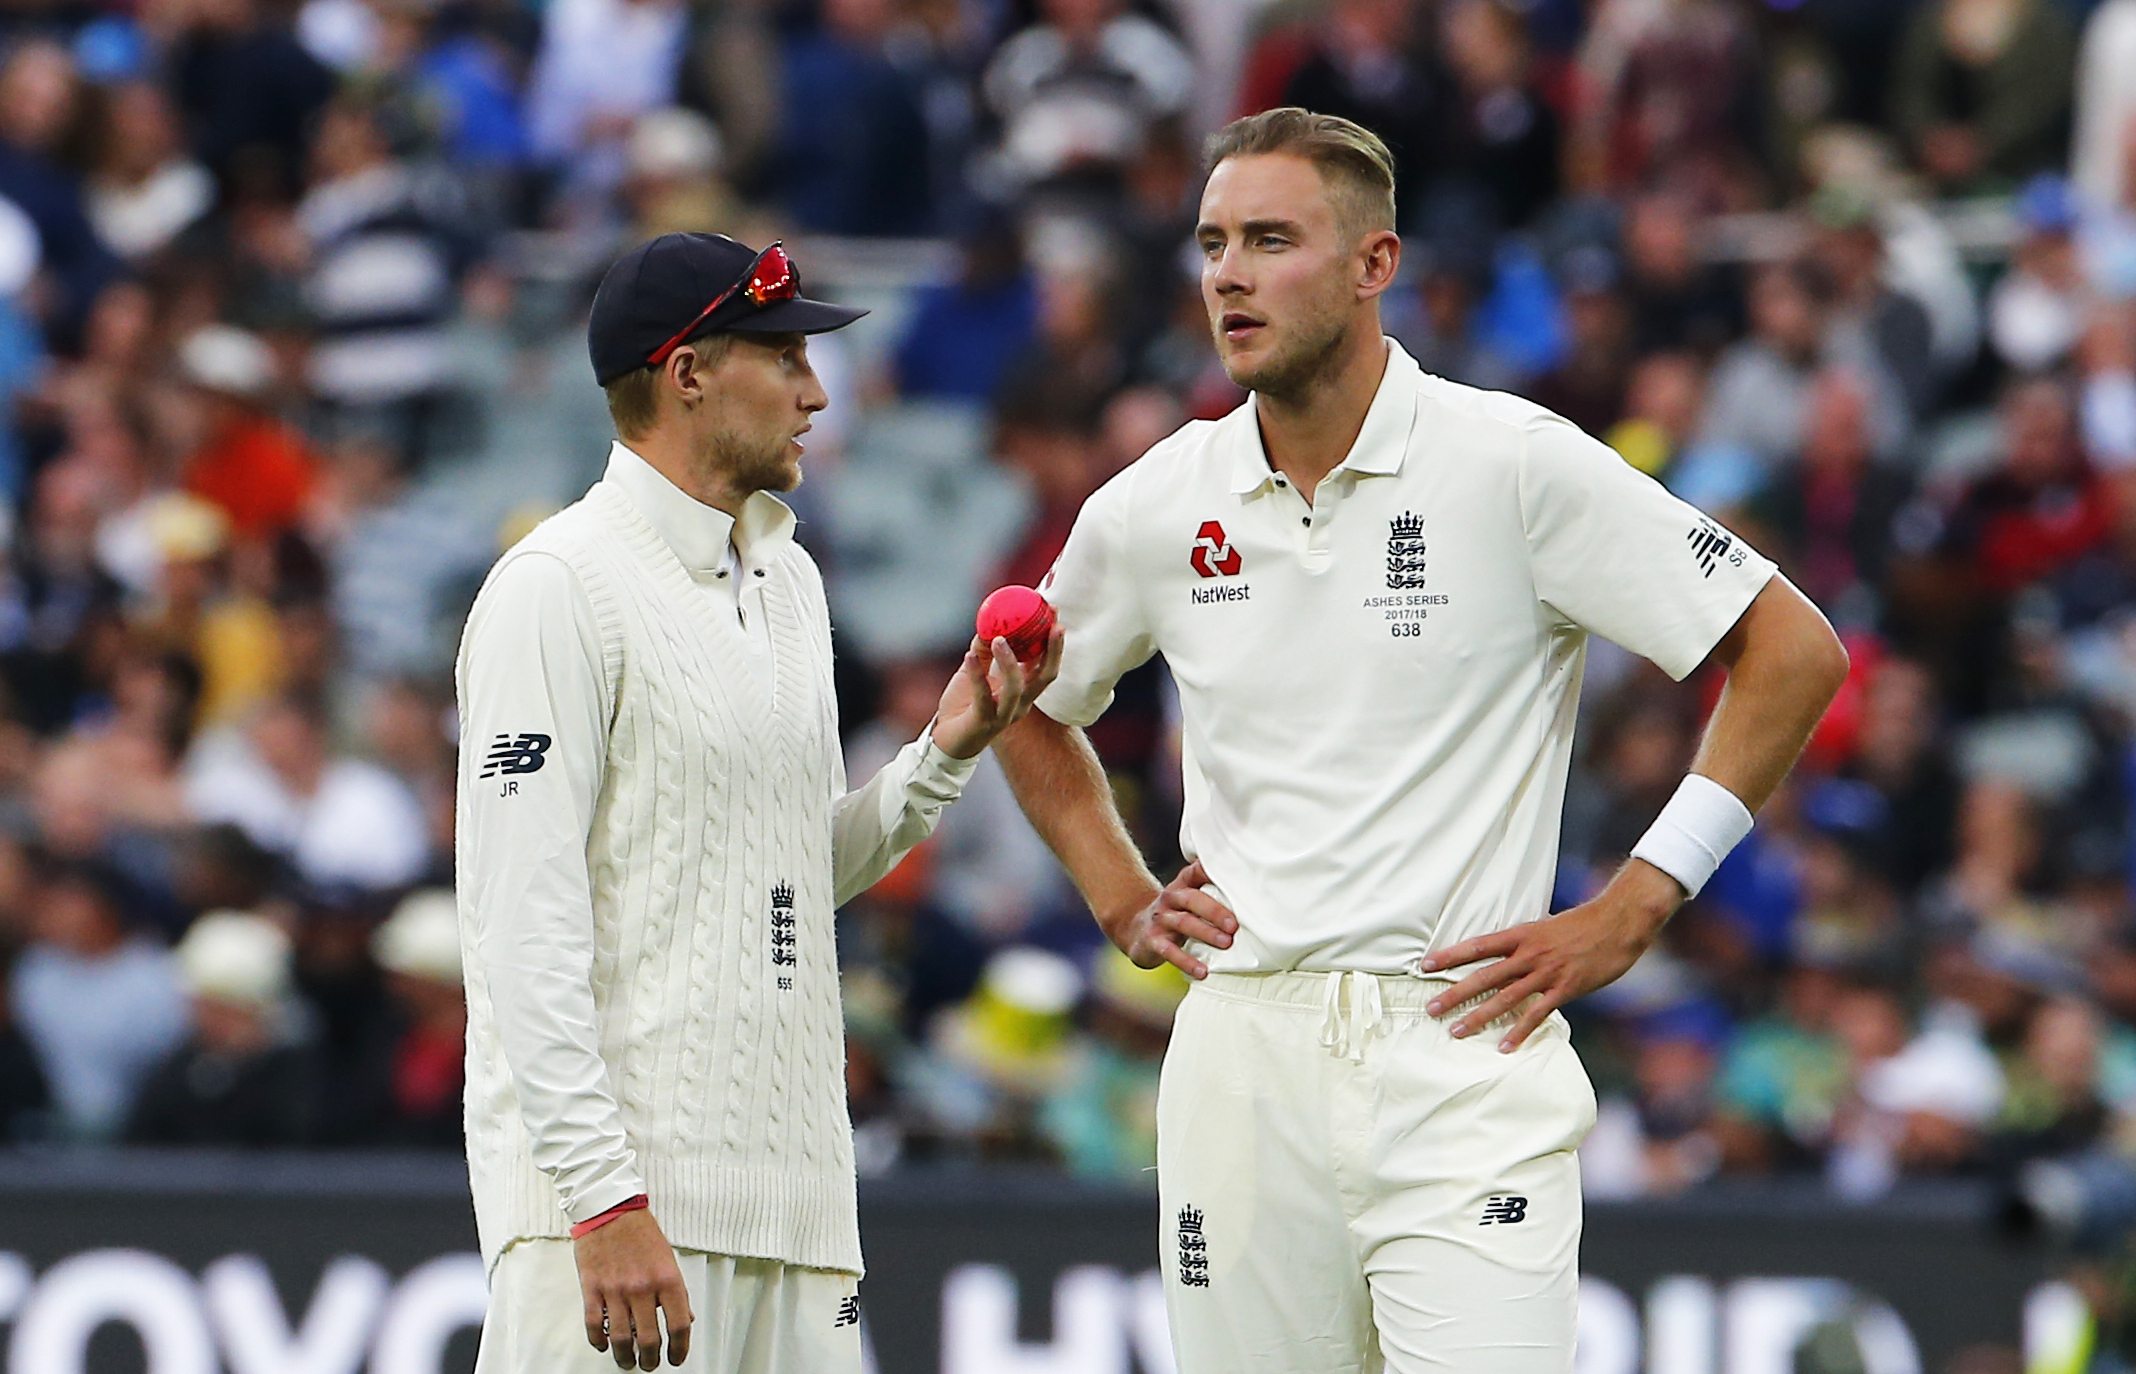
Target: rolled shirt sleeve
{"type": "Point", "coordinates": [1613, 552]}
{"type": "Point", "coordinates": [533, 741]}
{"type": "Point", "coordinates": [879, 822]}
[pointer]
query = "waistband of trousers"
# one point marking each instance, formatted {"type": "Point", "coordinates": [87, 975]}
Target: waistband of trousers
{"type": "Point", "coordinates": [1399, 993]}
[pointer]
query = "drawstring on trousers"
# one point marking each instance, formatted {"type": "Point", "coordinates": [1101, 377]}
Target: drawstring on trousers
{"type": "Point", "coordinates": [1347, 1036]}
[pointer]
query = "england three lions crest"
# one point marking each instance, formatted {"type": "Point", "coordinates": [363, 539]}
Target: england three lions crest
{"type": "Point", "coordinates": [1405, 551]}
{"type": "Point", "coordinates": [785, 933]}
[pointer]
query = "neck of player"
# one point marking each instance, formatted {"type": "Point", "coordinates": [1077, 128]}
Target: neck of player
{"type": "Point", "coordinates": [1307, 433]}
{"type": "Point", "coordinates": [679, 455]}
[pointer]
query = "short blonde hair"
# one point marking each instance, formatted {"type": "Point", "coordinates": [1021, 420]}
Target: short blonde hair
{"type": "Point", "coordinates": [633, 398]}
{"type": "Point", "coordinates": [1353, 161]}
{"type": "Point", "coordinates": [630, 401]}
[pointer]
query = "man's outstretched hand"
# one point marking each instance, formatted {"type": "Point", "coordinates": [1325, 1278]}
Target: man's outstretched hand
{"type": "Point", "coordinates": [991, 691]}
{"type": "Point", "coordinates": [629, 1279]}
{"type": "Point", "coordinates": [1157, 932]}
{"type": "Point", "coordinates": [1550, 962]}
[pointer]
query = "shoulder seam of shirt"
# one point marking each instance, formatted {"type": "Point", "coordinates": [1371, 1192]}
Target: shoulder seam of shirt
{"type": "Point", "coordinates": [519, 552]}
{"type": "Point", "coordinates": [1520, 502]}
{"type": "Point", "coordinates": [601, 627]}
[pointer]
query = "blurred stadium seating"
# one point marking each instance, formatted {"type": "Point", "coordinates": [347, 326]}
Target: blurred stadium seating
{"type": "Point", "coordinates": [291, 310]}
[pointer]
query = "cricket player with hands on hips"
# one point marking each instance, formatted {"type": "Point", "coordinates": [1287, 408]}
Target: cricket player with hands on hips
{"type": "Point", "coordinates": [1374, 589]}
{"type": "Point", "coordinates": [654, 831]}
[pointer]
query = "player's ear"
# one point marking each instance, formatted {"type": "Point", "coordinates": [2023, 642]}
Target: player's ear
{"type": "Point", "coordinates": [684, 374]}
{"type": "Point", "coordinates": [1379, 257]}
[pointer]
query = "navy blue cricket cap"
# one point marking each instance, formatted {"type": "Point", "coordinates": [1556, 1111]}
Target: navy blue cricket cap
{"type": "Point", "coordinates": [655, 298]}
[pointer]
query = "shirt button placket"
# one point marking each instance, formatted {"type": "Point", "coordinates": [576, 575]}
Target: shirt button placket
{"type": "Point", "coordinates": [1324, 501]}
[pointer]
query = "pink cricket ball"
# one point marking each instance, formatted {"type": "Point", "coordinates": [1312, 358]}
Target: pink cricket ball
{"type": "Point", "coordinates": [1019, 615]}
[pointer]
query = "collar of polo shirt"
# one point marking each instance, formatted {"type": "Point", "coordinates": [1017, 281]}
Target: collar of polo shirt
{"type": "Point", "coordinates": [1380, 445]}
{"type": "Point", "coordinates": [699, 534]}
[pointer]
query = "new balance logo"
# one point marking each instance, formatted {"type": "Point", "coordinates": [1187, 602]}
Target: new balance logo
{"type": "Point", "coordinates": [848, 1312]}
{"type": "Point", "coordinates": [1193, 1249]}
{"type": "Point", "coordinates": [1504, 1210]}
{"type": "Point", "coordinates": [785, 931]}
{"type": "Point", "coordinates": [1711, 544]}
{"type": "Point", "coordinates": [511, 753]}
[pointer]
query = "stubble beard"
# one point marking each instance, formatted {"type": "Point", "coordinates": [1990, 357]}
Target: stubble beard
{"type": "Point", "coordinates": [1291, 373]}
{"type": "Point", "coordinates": [751, 464]}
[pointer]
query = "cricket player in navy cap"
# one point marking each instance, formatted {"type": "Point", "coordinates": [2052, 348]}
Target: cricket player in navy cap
{"type": "Point", "coordinates": [654, 831]}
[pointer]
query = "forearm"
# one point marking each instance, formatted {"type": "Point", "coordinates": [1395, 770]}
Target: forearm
{"type": "Point", "coordinates": [1784, 664]}
{"type": "Point", "coordinates": [1784, 667]}
{"type": "Point", "coordinates": [878, 823]}
{"type": "Point", "coordinates": [1062, 789]}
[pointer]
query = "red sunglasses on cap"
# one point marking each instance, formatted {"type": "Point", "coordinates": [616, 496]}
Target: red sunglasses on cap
{"type": "Point", "coordinates": [771, 277]}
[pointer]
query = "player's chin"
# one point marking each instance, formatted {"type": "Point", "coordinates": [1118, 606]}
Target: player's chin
{"type": "Point", "coordinates": [1248, 368]}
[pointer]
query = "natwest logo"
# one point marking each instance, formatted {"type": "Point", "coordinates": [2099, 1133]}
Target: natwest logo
{"type": "Point", "coordinates": [1213, 555]}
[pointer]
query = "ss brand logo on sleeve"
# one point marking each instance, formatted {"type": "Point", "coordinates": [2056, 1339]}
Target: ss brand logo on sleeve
{"type": "Point", "coordinates": [1213, 555]}
{"type": "Point", "coordinates": [510, 753]}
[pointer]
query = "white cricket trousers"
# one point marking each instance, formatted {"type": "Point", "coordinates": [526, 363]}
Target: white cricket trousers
{"type": "Point", "coordinates": [1347, 1189]}
{"type": "Point", "coordinates": [753, 1316]}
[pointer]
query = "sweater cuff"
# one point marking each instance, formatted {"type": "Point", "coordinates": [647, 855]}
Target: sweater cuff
{"type": "Point", "coordinates": [939, 775]}
{"type": "Point", "coordinates": [603, 1194]}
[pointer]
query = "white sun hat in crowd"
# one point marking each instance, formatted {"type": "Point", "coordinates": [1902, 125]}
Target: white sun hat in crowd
{"type": "Point", "coordinates": [183, 528]}
{"type": "Point", "coordinates": [421, 939]}
{"type": "Point", "coordinates": [235, 957]}
{"type": "Point", "coordinates": [673, 142]}
{"type": "Point", "coordinates": [222, 357]}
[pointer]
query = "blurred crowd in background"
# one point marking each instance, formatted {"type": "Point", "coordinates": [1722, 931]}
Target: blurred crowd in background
{"type": "Point", "coordinates": [291, 345]}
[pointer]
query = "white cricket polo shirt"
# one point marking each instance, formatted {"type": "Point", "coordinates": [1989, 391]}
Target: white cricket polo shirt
{"type": "Point", "coordinates": [1378, 689]}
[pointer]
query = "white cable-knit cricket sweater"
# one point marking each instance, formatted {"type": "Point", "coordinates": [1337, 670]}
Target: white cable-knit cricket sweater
{"type": "Point", "coordinates": [654, 832]}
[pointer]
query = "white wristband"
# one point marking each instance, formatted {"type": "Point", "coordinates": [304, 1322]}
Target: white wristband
{"type": "Point", "coordinates": [1694, 832]}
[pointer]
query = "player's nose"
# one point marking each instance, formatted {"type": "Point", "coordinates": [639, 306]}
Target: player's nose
{"type": "Point", "coordinates": [1226, 276]}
